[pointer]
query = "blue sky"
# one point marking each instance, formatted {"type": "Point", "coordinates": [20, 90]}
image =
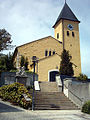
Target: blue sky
{"type": "Point", "coordinates": [28, 20]}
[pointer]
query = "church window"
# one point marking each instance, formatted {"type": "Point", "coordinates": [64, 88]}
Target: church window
{"type": "Point", "coordinates": [73, 34]}
{"type": "Point", "coordinates": [50, 53]}
{"type": "Point", "coordinates": [57, 35]}
{"type": "Point", "coordinates": [46, 53]}
{"type": "Point", "coordinates": [67, 33]}
{"type": "Point", "coordinates": [53, 52]}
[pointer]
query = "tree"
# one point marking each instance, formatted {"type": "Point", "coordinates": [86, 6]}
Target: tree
{"type": "Point", "coordinates": [6, 62]}
{"type": "Point", "coordinates": [2, 64]}
{"type": "Point", "coordinates": [24, 62]}
{"type": "Point", "coordinates": [5, 40]}
{"type": "Point", "coordinates": [65, 65]}
{"type": "Point", "coordinates": [82, 77]}
{"type": "Point", "coordinates": [9, 62]}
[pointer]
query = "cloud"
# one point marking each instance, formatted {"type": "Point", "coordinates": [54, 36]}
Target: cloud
{"type": "Point", "coordinates": [26, 19]}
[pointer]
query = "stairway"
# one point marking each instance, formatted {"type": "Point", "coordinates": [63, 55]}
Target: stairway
{"type": "Point", "coordinates": [51, 99]}
{"type": "Point", "coordinates": [48, 87]}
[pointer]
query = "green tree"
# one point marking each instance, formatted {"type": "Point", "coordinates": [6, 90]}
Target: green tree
{"type": "Point", "coordinates": [9, 62]}
{"type": "Point", "coordinates": [5, 40]}
{"type": "Point", "coordinates": [2, 64]}
{"type": "Point", "coordinates": [6, 62]}
{"type": "Point", "coordinates": [24, 62]}
{"type": "Point", "coordinates": [65, 65]}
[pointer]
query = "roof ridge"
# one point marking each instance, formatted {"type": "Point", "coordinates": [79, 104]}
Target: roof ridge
{"type": "Point", "coordinates": [38, 40]}
{"type": "Point", "coordinates": [33, 41]}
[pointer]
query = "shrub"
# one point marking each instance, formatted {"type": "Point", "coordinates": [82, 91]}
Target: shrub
{"type": "Point", "coordinates": [13, 70]}
{"type": "Point", "coordinates": [82, 77]}
{"type": "Point", "coordinates": [14, 93]}
{"type": "Point", "coordinates": [86, 107]}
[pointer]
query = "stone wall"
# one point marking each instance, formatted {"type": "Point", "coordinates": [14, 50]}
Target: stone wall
{"type": "Point", "coordinates": [78, 92]}
{"type": "Point", "coordinates": [10, 77]}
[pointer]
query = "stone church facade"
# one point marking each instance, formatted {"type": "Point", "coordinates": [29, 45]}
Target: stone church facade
{"type": "Point", "coordinates": [49, 49]}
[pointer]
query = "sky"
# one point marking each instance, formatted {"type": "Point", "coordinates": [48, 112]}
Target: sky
{"type": "Point", "coordinates": [29, 20]}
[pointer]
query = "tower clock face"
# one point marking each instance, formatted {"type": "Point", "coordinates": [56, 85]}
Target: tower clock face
{"type": "Point", "coordinates": [70, 27]}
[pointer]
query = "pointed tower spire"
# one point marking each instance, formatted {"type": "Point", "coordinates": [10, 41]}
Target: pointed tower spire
{"type": "Point", "coordinates": [66, 14]}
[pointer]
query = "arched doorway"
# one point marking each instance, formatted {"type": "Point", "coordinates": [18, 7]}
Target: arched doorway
{"type": "Point", "coordinates": [52, 75]}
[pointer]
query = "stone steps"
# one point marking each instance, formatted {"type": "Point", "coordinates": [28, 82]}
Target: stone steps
{"type": "Point", "coordinates": [50, 99]}
{"type": "Point", "coordinates": [48, 87]}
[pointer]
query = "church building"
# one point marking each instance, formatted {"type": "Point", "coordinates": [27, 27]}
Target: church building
{"type": "Point", "coordinates": [48, 49]}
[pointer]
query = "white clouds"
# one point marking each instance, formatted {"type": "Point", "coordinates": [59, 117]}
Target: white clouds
{"type": "Point", "coordinates": [26, 19]}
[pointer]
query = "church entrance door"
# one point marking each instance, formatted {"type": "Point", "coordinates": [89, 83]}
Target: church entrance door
{"type": "Point", "coordinates": [52, 75]}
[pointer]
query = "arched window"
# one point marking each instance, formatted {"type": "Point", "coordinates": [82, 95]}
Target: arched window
{"type": "Point", "coordinates": [67, 33]}
{"type": "Point", "coordinates": [53, 52]}
{"type": "Point", "coordinates": [46, 53]}
{"type": "Point", "coordinates": [73, 34]}
{"type": "Point", "coordinates": [57, 35]}
{"type": "Point", "coordinates": [50, 53]}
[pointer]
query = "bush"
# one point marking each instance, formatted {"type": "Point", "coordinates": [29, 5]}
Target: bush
{"type": "Point", "coordinates": [86, 107]}
{"type": "Point", "coordinates": [82, 77]}
{"type": "Point", "coordinates": [13, 70]}
{"type": "Point", "coordinates": [14, 93]}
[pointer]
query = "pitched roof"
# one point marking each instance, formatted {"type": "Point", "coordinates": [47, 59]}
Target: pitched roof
{"type": "Point", "coordinates": [16, 49]}
{"type": "Point", "coordinates": [66, 14]}
{"type": "Point", "coordinates": [39, 40]}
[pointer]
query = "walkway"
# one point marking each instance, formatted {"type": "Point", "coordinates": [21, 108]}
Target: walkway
{"type": "Point", "coordinates": [9, 112]}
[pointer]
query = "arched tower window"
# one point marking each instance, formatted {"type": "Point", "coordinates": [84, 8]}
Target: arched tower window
{"type": "Point", "coordinates": [46, 53]}
{"type": "Point", "coordinates": [67, 33]}
{"type": "Point", "coordinates": [73, 34]}
{"type": "Point", "coordinates": [57, 35]}
{"type": "Point", "coordinates": [50, 53]}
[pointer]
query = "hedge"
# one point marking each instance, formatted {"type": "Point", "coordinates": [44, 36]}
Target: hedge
{"type": "Point", "coordinates": [14, 93]}
{"type": "Point", "coordinates": [86, 107]}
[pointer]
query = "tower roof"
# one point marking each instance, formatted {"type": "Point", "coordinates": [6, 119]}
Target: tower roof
{"type": "Point", "coordinates": [66, 14]}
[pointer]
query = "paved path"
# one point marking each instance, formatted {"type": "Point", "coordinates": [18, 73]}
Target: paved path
{"type": "Point", "coordinates": [8, 112]}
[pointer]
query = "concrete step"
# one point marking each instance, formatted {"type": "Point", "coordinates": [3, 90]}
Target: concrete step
{"type": "Point", "coordinates": [48, 87]}
{"type": "Point", "coordinates": [60, 105]}
{"type": "Point", "coordinates": [55, 108]}
{"type": "Point", "coordinates": [53, 101]}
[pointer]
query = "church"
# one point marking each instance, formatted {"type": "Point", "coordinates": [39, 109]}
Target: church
{"type": "Point", "coordinates": [48, 49]}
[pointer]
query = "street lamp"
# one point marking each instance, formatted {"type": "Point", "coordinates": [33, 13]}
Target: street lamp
{"type": "Point", "coordinates": [34, 60]}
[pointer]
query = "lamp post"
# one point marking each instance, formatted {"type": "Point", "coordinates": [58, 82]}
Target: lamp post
{"type": "Point", "coordinates": [34, 60]}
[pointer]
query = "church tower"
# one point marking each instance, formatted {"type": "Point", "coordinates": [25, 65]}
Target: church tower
{"type": "Point", "coordinates": [66, 30]}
